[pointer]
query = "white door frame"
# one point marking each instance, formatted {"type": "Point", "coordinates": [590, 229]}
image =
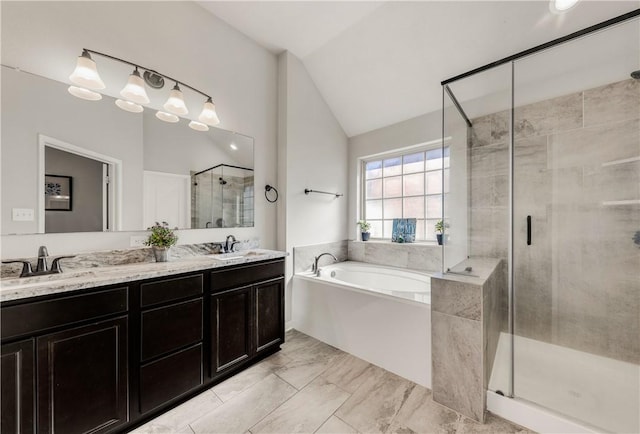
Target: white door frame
{"type": "Point", "coordinates": [114, 187]}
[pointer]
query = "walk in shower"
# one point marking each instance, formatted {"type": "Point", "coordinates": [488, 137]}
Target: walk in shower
{"type": "Point", "coordinates": [222, 196]}
{"type": "Point", "coordinates": [547, 148]}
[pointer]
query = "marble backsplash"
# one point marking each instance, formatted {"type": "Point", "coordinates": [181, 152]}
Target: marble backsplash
{"type": "Point", "coordinates": [416, 256]}
{"type": "Point", "coordinates": [124, 256]}
{"type": "Point", "coordinates": [303, 256]}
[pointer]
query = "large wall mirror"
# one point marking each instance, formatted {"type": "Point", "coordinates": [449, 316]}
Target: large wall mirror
{"type": "Point", "coordinates": [71, 165]}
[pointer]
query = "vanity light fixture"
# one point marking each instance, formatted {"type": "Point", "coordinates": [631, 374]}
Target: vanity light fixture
{"type": "Point", "coordinates": [129, 106]}
{"type": "Point", "coordinates": [198, 126]}
{"type": "Point", "coordinates": [209, 115]}
{"type": "Point", "coordinates": [134, 90]}
{"type": "Point", "coordinates": [86, 73]}
{"type": "Point", "coordinates": [86, 79]}
{"type": "Point", "coordinates": [167, 117]}
{"type": "Point", "coordinates": [83, 93]}
{"type": "Point", "coordinates": [175, 104]}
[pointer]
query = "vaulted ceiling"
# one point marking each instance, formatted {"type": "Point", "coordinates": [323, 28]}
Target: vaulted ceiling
{"type": "Point", "coordinates": [378, 63]}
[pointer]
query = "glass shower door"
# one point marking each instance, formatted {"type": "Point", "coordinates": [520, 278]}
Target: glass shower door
{"type": "Point", "coordinates": [576, 229]}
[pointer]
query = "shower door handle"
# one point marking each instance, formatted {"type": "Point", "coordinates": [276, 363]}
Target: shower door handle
{"type": "Point", "coordinates": [528, 230]}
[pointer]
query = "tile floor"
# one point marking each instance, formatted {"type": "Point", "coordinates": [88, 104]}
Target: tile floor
{"type": "Point", "coordinates": [309, 387]}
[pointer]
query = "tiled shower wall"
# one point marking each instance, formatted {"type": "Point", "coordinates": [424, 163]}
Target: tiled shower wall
{"type": "Point", "coordinates": [211, 201]}
{"type": "Point", "coordinates": [577, 174]}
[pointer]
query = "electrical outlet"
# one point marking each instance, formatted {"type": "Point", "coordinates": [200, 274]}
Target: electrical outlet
{"type": "Point", "coordinates": [22, 214]}
{"type": "Point", "coordinates": [137, 240]}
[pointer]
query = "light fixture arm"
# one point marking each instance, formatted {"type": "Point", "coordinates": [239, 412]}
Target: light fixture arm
{"type": "Point", "coordinates": [146, 69]}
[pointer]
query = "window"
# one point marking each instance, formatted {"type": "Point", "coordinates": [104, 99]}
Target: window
{"type": "Point", "coordinates": [405, 186]}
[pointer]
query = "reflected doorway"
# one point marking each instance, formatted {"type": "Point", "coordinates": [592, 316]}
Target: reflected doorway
{"type": "Point", "coordinates": [78, 189]}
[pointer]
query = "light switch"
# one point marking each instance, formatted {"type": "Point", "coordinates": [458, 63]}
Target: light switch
{"type": "Point", "coordinates": [22, 214]}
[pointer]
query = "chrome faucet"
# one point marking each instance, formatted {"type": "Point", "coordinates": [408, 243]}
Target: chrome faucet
{"type": "Point", "coordinates": [315, 268]}
{"type": "Point", "coordinates": [228, 246]}
{"type": "Point", "coordinates": [41, 266]}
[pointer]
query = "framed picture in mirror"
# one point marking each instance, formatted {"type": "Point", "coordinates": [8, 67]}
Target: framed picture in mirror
{"type": "Point", "coordinates": [57, 192]}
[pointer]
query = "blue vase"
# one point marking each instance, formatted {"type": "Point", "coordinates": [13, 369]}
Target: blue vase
{"type": "Point", "coordinates": [365, 236]}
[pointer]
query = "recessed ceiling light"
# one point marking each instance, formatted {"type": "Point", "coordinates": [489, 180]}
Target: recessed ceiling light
{"type": "Point", "coordinates": [561, 6]}
{"type": "Point", "coordinates": [233, 146]}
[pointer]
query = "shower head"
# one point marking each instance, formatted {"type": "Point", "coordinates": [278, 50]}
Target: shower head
{"type": "Point", "coordinates": [636, 74]}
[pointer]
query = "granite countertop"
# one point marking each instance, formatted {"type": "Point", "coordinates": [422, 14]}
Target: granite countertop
{"type": "Point", "coordinates": [18, 288]}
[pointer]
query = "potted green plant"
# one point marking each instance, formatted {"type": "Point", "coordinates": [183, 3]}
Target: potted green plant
{"type": "Point", "coordinates": [161, 239]}
{"type": "Point", "coordinates": [440, 228]}
{"type": "Point", "coordinates": [364, 229]}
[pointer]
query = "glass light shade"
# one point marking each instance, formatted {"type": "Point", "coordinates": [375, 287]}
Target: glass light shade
{"type": "Point", "coordinates": [208, 115]}
{"type": "Point", "coordinates": [129, 106]}
{"type": "Point", "coordinates": [198, 126]}
{"type": "Point", "coordinates": [84, 93]}
{"type": "Point", "coordinates": [86, 73]}
{"type": "Point", "coordinates": [167, 117]}
{"type": "Point", "coordinates": [559, 6]}
{"type": "Point", "coordinates": [175, 103]}
{"type": "Point", "coordinates": [134, 90]}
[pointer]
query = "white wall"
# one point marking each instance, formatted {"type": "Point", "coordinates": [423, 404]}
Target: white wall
{"type": "Point", "coordinates": [312, 153]}
{"type": "Point", "coordinates": [411, 132]}
{"type": "Point", "coordinates": [179, 39]}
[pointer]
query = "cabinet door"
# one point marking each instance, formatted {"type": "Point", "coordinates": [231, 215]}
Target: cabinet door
{"type": "Point", "coordinates": [17, 388]}
{"type": "Point", "coordinates": [269, 314]}
{"type": "Point", "coordinates": [82, 378]}
{"type": "Point", "coordinates": [231, 328]}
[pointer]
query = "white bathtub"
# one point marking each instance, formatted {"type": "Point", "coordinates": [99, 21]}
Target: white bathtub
{"type": "Point", "coordinates": [380, 314]}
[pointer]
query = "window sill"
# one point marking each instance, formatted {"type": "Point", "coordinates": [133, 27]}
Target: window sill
{"type": "Point", "coordinates": [383, 241]}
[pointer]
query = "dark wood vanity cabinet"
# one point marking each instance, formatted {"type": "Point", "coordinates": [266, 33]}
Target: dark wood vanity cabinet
{"type": "Point", "coordinates": [67, 370]}
{"type": "Point", "coordinates": [247, 314]}
{"type": "Point", "coordinates": [230, 329]}
{"type": "Point", "coordinates": [82, 378]}
{"type": "Point", "coordinates": [269, 314]}
{"type": "Point", "coordinates": [17, 411]}
{"type": "Point", "coordinates": [107, 359]}
{"type": "Point", "coordinates": [171, 339]}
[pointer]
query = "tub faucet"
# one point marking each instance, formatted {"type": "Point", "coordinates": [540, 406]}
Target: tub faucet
{"type": "Point", "coordinates": [315, 268]}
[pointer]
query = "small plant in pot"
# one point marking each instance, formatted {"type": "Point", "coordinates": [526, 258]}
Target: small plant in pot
{"type": "Point", "coordinates": [161, 239]}
{"type": "Point", "coordinates": [364, 229]}
{"type": "Point", "coordinates": [440, 226]}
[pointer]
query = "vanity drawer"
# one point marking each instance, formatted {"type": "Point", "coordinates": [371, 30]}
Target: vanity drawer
{"type": "Point", "coordinates": [171, 327]}
{"type": "Point", "coordinates": [33, 317]}
{"type": "Point", "coordinates": [170, 377]}
{"type": "Point", "coordinates": [246, 275]}
{"type": "Point", "coordinates": [166, 290]}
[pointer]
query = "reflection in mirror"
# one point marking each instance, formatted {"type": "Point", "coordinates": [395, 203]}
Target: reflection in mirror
{"type": "Point", "coordinates": [222, 197]}
{"type": "Point", "coordinates": [156, 161]}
